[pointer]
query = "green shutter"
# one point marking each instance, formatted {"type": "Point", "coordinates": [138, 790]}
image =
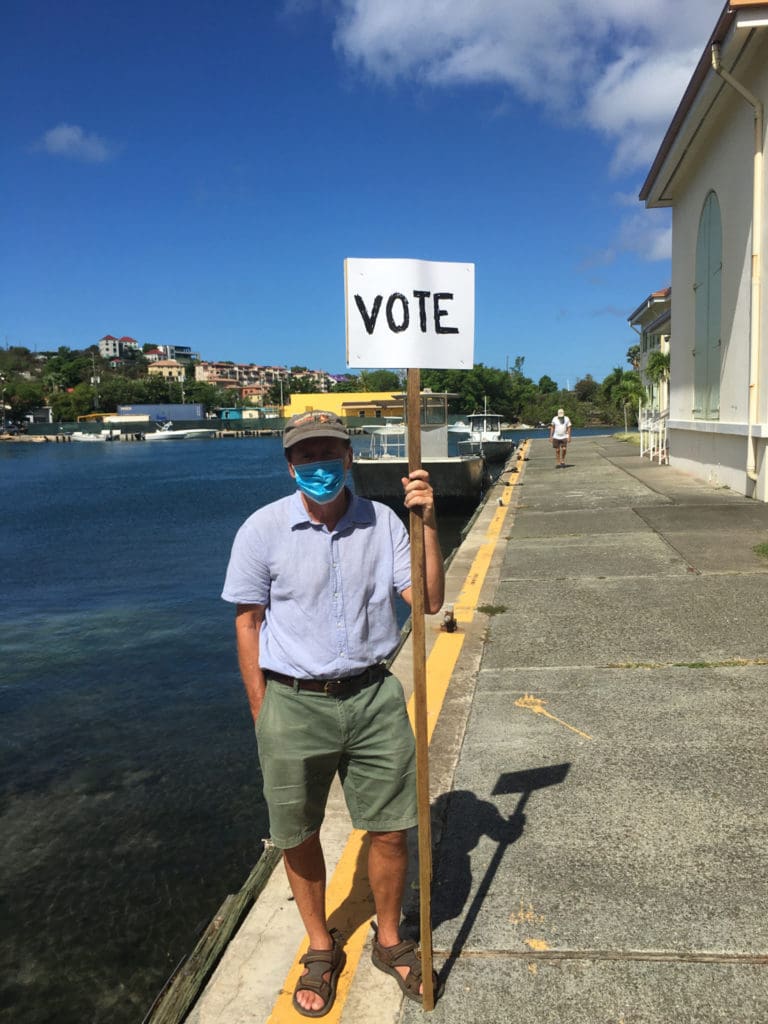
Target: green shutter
{"type": "Point", "coordinates": [708, 291]}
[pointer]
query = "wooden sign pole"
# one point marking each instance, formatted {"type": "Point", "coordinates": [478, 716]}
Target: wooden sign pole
{"type": "Point", "coordinates": [420, 695]}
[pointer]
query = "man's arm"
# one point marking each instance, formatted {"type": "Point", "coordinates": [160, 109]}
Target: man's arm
{"type": "Point", "coordinates": [248, 620]}
{"type": "Point", "coordinates": [420, 497]}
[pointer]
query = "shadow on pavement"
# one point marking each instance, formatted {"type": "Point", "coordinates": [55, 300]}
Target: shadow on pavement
{"type": "Point", "coordinates": [467, 818]}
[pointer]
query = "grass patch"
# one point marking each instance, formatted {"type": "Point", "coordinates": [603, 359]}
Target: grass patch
{"type": "Point", "coordinates": [630, 438]}
{"type": "Point", "coordinates": [761, 550]}
{"type": "Point", "coordinates": [492, 609]}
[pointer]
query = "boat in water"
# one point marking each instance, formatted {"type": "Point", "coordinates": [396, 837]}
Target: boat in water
{"type": "Point", "coordinates": [167, 433]}
{"type": "Point", "coordinates": [101, 435]}
{"type": "Point", "coordinates": [458, 480]}
{"type": "Point", "coordinates": [485, 438]}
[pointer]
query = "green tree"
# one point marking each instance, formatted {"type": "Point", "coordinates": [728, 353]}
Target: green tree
{"type": "Point", "coordinates": [384, 380]}
{"type": "Point", "coordinates": [657, 367]}
{"type": "Point", "coordinates": [277, 393]}
{"type": "Point", "coordinates": [586, 388]}
{"type": "Point", "coordinates": [68, 405]}
{"type": "Point", "coordinates": [349, 382]}
{"type": "Point", "coordinates": [17, 359]}
{"type": "Point", "coordinates": [505, 392]}
{"type": "Point", "coordinates": [23, 396]}
{"type": "Point", "coordinates": [134, 364]}
{"type": "Point", "coordinates": [633, 356]}
{"type": "Point", "coordinates": [546, 385]}
{"type": "Point", "coordinates": [209, 395]}
{"type": "Point", "coordinates": [299, 384]}
{"type": "Point", "coordinates": [115, 390]}
{"type": "Point", "coordinates": [624, 391]}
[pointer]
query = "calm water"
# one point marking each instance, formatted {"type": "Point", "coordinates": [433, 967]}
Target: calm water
{"type": "Point", "coordinates": [130, 787]}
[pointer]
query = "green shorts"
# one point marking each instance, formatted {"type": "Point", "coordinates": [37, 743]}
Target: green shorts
{"type": "Point", "coordinates": [305, 738]}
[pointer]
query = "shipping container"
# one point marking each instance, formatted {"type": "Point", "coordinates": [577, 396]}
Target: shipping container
{"type": "Point", "coordinates": [165, 411]}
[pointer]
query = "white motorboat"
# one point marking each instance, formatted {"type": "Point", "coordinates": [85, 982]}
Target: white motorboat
{"type": "Point", "coordinates": [485, 438]}
{"type": "Point", "coordinates": [388, 441]}
{"type": "Point", "coordinates": [101, 435]}
{"type": "Point", "coordinates": [167, 433]}
{"type": "Point", "coordinates": [459, 427]}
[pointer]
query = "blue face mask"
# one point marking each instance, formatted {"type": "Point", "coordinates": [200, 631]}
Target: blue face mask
{"type": "Point", "coordinates": [321, 481]}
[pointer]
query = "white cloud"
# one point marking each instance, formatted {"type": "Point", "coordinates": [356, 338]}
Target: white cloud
{"type": "Point", "coordinates": [618, 65]}
{"type": "Point", "coordinates": [634, 99]}
{"type": "Point", "coordinates": [70, 140]}
{"type": "Point", "coordinates": [647, 234]}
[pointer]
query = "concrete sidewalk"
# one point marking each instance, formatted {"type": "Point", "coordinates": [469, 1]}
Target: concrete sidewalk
{"type": "Point", "coordinates": [603, 853]}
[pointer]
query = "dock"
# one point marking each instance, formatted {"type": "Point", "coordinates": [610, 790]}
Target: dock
{"type": "Point", "coordinates": [599, 781]}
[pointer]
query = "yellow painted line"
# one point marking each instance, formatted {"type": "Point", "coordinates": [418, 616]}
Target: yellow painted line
{"type": "Point", "coordinates": [536, 705]}
{"type": "Point", "coordinates": [469, 596]}
{"type": "Point", "coordinates": [440, 665]}
{"type": "Point", "coordinates": [348, 896]}
{"type": "Point", "coordinates": [350, 910]}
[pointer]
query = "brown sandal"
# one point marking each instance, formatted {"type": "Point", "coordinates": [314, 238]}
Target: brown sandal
{"type": "Point", "coordinates": [404, 954]}
{"type": "Point", "coordinates": [318, 962]}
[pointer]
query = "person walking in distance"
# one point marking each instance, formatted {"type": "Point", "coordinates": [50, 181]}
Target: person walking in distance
{"type": "Point", "coordinates": [314, 577]}
{"type": "Point", "coordinates": [560, 435]}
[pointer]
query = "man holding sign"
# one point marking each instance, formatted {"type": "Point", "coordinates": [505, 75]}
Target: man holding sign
{"type": "Point", "coordinates": [314, 578]}
{"type": "Point", "coordinates": [428, 321]}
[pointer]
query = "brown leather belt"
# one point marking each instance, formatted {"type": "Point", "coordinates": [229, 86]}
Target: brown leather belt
{"type": "Point", "coordinates": [339, 687]}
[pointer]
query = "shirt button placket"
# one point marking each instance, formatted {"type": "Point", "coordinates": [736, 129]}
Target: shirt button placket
{"type": "Point", "coordinates": [338, 607]}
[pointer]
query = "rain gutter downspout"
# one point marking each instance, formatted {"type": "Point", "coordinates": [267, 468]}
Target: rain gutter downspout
{"type": "Point", "coordinates": [757, 236]}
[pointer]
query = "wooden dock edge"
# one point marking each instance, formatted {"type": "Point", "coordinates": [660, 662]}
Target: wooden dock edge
{"type": "Point", "coordinates": [180, 992]}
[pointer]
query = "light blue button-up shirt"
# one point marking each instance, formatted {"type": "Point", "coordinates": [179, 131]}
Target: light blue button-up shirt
{"type": "Point", "coordinates": [329, 595]}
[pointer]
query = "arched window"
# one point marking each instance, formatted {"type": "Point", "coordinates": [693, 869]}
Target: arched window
{"type": "Point", "coordinates": [707, 288]}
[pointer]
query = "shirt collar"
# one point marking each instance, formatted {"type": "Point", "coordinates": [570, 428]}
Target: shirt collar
{"type": "Point", "coordinates": [359, 512]}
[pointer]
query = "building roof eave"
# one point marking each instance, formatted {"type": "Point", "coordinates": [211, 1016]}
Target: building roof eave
{"type": "Point", "coordinates": [653, 299]}
{"type": "Point", "coordinates": [698, 97]}
{"type": "Point", "coordinates": [660, 321]}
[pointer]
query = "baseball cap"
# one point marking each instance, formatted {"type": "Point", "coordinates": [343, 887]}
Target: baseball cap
{"type": "Point", "coordinates": [313, 424]}
{"type": "Point", "coordinates": [561, 412]}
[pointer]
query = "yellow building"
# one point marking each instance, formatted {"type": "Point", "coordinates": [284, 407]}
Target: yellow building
{"type": "Point", "coordinates": [170, 369]}
{"type": "Point", "coordinates": [368, 404]}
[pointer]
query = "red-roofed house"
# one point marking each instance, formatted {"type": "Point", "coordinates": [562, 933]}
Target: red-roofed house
{"type": "Point", "coordinates": [111, 347]}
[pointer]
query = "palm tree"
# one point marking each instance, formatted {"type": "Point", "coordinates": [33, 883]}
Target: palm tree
{"type": "Point", "coordinates": [657, 367]}
{"type": "Point", "coordinates": [627, 391]}
{"type": "Point", "coordinates": [633, 356]}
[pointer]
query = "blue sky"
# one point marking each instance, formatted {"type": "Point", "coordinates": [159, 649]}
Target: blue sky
{"type": "Point", "coordinates": [195, 173]}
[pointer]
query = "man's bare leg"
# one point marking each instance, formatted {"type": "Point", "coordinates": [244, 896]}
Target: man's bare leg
{"type": "Point", "coordinates": [387, 867]}
{"type": "Point", "coordinates": [305, 868]}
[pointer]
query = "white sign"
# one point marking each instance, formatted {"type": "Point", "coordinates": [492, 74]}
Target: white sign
{"type": "Point", "coordinates": [410, 313]}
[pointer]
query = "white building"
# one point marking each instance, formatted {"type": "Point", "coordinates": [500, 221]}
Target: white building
{"type": "Point", "coordinates": [652, 323]}
{"type": "Point", "coordinates": [651, 320]}
{"type": "Point", "coordinates": [111, 347]}
{"type": "Point", "coordinates": [709, 170]}
{"type": "Point", "coordinates": [182, 353]}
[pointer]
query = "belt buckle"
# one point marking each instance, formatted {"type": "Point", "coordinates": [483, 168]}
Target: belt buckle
{"type": "Point", "coordinates": [332, 687]}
